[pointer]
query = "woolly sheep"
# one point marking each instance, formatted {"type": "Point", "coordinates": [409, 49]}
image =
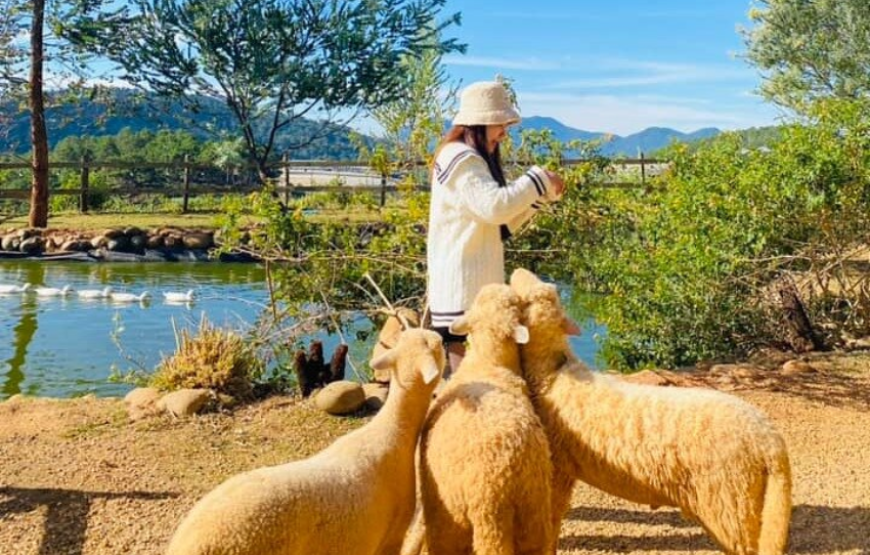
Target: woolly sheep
{"type": "Point", "coordinates": [357, 496]}
{"type": "Point", "coordinates": [485, 465]}
{"type": "Point", "coordinates": [714, 456]}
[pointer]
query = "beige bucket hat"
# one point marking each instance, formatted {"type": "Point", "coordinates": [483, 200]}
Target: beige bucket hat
{"type": "Point", "coordinates": [486, 103]}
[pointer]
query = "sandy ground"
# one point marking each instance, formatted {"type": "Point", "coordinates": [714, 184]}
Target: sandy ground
{"type": "Point", "coordinates": [76, 477]}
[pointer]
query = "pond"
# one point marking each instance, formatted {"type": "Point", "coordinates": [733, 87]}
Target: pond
{"type": "Point", "coordinates": [69, 346]}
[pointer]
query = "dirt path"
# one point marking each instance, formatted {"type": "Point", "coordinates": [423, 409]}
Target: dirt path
{"type": "Point", "coordinates": [77, 478]}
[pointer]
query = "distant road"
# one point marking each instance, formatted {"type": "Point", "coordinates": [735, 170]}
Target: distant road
{"type": "Point", "coordinates": [349, 177]}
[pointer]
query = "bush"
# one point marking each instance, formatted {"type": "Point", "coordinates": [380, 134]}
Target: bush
{"type": "Point", "coordinates": [687, 269]}
{"type": "Point", "coordinates": [214, 359]}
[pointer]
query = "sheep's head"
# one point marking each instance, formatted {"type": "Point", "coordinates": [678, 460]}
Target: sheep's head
{"type": "Point", "coordinates": [544, 314]}
{"type": "Point", "coordinates": [494, 315]}
{"type": "Point", "coordinates": [418, 355]}
{"type": "Point", "coordinates": [401, 319]}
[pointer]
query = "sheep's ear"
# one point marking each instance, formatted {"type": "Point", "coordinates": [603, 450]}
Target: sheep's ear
{"type": "Point", "coordinates": [521, 334]}
{"type": "Point", "coordinates": [570, 327]}
{"type": "Point", "coordinates": [430, 371]}
{"type": "Point", "coordinates": [460, 326]}
{"type": "Point", "coordinates": [383, 362]}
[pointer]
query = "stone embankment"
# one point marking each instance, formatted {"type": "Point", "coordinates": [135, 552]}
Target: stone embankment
{"type": "Point", "coordinates": [122, 244]}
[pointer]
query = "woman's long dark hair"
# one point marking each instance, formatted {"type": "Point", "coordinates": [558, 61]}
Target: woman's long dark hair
{"type": "Point", "coordinates": [475, 137]}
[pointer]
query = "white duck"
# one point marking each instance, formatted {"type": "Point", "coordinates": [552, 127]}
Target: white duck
{"type": "Point", "coordinates": [10, 289]}
{"type": "Point", "coordinates": [178, 297]}
{"type": "Point", "coordinates": [129, 297]}
{"type": "Point", "coordinates": [103, 293]}
{"type": "Point", "coordinates": [53, 291]}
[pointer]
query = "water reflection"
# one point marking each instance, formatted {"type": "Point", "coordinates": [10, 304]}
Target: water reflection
{"type": "Point", "coordinates": [23, 334]}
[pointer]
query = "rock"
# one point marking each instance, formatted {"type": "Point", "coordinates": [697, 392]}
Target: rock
{"type": "Point", "coordinates": [100, 241]}
{"type": "Point", "coordinates": [142, 402]}
{"type": "Point", "coordinates": [137, 242]}
{"type": "Point", "coordinates": [198, 240]}
{"type": "Point", "coordinates": [117, 244]}
{"type": "Point", "coordinates": [341, 397]}
{"type": "Point", "coordinates": [10, 242]}
{"type": "Point", "coordinates": [55, 242]}
{"type": "Point", "coordinates": [27, 233]}
{"type": "Point", "coordinates": [154, 242]}
{"type": "Point", "coordinates": [376, 395]}
{"type": "Point", "coordinates": [185, 402]}
{"type": "Point", "coordinates": [112, 233]}
{"type": "Point", "coordinates": [72, 245]}
{"type": "Point", "coordinates": [133, 231]}
{"type": "Point", "coordinates": [32, 245]}
{"type": "Point", "coordinates": [173, 241]}
{"type": "Point", "coordinates": [796, 367]}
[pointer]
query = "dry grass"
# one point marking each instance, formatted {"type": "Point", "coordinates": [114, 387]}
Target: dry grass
{"type": "Point", "coordinates": [214, 358]}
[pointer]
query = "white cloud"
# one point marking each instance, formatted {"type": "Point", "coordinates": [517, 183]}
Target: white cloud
{"type": "Point", "coordinates": [531, 64]}
{"type": "Point", "coordinates": [628, 73]}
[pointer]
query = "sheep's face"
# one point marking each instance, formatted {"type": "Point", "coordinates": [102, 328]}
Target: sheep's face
{"type": "Point", "coordinates": [543, 309]}
{"type": "Point", "coordinates": [418, 355]}
{"type": "Point", "coordinates": [543, 313]}
{"type": "Point", "coordinates": [496, 311]}
{"type": "Point", "coordinates": [522, 281]}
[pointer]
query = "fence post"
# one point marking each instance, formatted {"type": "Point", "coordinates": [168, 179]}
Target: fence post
{"type": "Point", "coordinates": [285, 159]}
{"type": "Point", "coordinates": [642, 170]}
{"type": "Point", "coordinates": [85, 177]}
{"type": "Point", "coordinates": [186, 184]}
{"type": "Point", "coordinates": [383, 189]}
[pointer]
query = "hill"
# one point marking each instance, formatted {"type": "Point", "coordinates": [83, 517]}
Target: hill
{"type": "Point", "coordinates": [125, 109]}
{"type": "Point", "coordinates": [646, 141]}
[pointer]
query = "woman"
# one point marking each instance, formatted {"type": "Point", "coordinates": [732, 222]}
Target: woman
{"type": "Point", "coordinates": [473, 209]}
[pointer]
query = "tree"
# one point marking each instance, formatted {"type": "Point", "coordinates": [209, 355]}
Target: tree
{"type": "Point", "coordinates": [414, 123]}
{"type": "Point", "coordinates": [808, 50]}
{"type": "Point", "coordinates": [38, 216]}
{"type": "Point", "coordinates": [271, 61]}
{"type": "Point", "coordinates": [10, 49]}
{"type": "Point", "coordinates": [21, 18]}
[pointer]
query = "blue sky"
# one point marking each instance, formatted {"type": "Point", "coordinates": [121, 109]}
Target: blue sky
{"type": "Point", "coordinates": [616, 66]}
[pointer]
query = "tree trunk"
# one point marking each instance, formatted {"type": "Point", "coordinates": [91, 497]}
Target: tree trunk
{"type": "Point", "coordinates": [38, 135]}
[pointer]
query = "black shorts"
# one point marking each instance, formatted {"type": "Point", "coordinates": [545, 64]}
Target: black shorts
{"type": "Point", "coordinates": [447, 337]}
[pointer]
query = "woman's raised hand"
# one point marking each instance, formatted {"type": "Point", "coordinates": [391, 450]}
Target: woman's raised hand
{"type": "Point", "coordinates": [558, 186]}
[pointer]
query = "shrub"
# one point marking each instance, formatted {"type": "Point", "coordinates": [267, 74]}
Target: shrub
{"type": "Point", "coordinates": [214, 359]}
{"type": "Point", "coordinates": [687, 268]}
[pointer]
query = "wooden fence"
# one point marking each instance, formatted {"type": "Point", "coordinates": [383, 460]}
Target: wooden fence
{"type": "Point", "coordinates": [297, 170]}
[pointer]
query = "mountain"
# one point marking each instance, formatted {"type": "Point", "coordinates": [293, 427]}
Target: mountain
{"type": "Point", "coordinates": [125, 109]}
{"type": "Point", "coordinates": [646, 141]}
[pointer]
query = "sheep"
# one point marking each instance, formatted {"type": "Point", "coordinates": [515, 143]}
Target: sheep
{"type": "Point", "coordinates": [714, 456]}
{"type": "Point", "coordinates": [484, 460]}
{"type": "Point", "coordinates": [399, 320]}
{"type": "Point", "coordinates": [357, 496]}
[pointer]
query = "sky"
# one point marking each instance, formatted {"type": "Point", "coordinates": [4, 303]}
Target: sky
{"type": "Point", "coordinates": [617, 66]}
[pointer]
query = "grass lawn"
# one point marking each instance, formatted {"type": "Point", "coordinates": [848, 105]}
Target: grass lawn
{"type": "Point", "coordinates": [84, 222]}
{"type": "Point", "coordinates": [207, 220]}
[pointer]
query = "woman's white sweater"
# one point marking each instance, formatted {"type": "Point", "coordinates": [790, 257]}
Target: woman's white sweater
{"type": "Point", "coordinates": [467, 216]}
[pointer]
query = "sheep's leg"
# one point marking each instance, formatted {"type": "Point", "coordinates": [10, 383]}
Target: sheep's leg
{"type": "Point", "coordinates": [493, 531]}
{"type": "Point", "coordinates": [563, 488]}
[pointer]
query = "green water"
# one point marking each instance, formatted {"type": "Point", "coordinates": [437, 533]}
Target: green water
{"type": "Point", "coordinates": [63, 347]}
{"type": "Point", "coordinates": [69, 346]}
